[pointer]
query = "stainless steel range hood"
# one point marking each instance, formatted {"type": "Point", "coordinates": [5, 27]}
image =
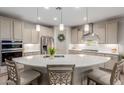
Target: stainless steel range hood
{"type": "Point", "coordinates": [89, 36]}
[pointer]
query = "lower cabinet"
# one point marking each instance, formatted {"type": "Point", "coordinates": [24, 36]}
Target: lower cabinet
{"type": "Point", "coordinates": [110, 64]}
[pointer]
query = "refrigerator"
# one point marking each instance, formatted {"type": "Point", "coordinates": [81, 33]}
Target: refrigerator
{"type": "Point", "coordinates": [46, 42]}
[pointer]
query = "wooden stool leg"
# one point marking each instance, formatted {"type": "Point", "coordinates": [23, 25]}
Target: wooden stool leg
{"type": "Point", "coordinates": [88, 81]}
{"type": "Point", "coordinates": [39, 79]}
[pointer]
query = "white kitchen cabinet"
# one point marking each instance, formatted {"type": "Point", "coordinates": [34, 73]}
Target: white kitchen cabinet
{"type": "Point", "coordinates": [27, 33]}
{"type": "Point", "coordinates": [107, 31]}
{"type": "Point", "coordinates": [100, 30]}
{"type": "Point", "coordinates": [35, 36]}
{"type": "Point", "coordinates": [74, 36]}
{"type": "Point", "coordinates": [111, 32]}
{"type": "Point", "coordinates": [46, 31]}
{"type": "Point", "coordinates": [6, 28]}
{"type": "Point", "coordinates": [17, 30]}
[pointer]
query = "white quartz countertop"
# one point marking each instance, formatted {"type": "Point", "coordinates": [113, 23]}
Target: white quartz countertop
{"type": "Point", "coordinates": [79, 60]}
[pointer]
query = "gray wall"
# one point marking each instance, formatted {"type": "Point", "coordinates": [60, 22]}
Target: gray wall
{"type": "Point", "coordinates": [121, 36]}
{"type": "Point", "coordinates": [62, 47]}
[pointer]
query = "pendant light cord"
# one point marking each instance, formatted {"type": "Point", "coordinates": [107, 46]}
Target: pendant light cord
{"type": "Point", "coordinates": [61, 14]}
{"type": "Point", "coordinates": [87, 14]}
{"type": "Point", "coordinates": [37, 14]}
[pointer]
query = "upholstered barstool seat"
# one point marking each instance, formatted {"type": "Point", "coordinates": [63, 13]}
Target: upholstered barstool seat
{"type": "Point", "coordinates": [100, 76]}
{"type": "Point", "coordinates": [21, 78]}
{"type": "Point", "coordinates": [28, 76]}
{"type": "Point", "coordinates": [107, 78]}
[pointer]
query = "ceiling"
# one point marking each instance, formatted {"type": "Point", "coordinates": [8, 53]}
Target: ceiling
{"type": "Point", "coordinates": [72, 16]}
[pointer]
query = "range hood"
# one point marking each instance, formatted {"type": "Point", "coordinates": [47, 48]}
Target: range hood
{"type": "Point", "coordinates": [89, 36]}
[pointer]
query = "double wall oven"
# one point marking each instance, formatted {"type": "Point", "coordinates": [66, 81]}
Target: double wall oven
{"type": "Point", "coordinates": [10, 49]}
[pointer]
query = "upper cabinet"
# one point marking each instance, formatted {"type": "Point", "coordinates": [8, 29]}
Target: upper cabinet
{"type": "Point", "coordinates": [6, 28]}
{"type": "Point", "coordinates": [107, 31]}
{"type": "Point", "coordinates": [46, 31]}
{"type": "Point", "coordinates": [100, 30]}
{"type": "Point", "coordinates": [76, 35]}
{"type": "Point", "coordinates": [111, 32]}
{"type": "Point", "coordinates": [17, 30]}
{"type": "Point", "coordinates": [10, 29]}
{"type": "Point", "coordinates": [35, 35]}
{"type": "Point", "coordinates": [30, 35]}
{"type": "Point", "coordinates": [27, 33]}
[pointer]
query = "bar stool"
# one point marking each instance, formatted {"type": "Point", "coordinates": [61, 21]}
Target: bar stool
{"type": "Point", "coordinates": [23, 78]}
{"type": "Point", "coordinates": [101, 77]}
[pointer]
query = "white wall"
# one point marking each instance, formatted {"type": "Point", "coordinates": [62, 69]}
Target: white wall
{"type": "Point", "coordinates": [121, 36]}
{"type": "Point", "coordinates": [62, 47]}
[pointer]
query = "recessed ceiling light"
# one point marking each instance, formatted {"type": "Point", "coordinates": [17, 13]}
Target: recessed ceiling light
{"type": "Point", "coordinates": [38, 18]}
{"type": "Point", "coordinates": [46, 7]}
{"type": "Point", "coordinates": [55, 18]}
{"type": "Point", "coordinates": [85, 18]}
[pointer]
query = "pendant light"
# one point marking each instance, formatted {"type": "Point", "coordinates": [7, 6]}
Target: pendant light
{"type": "Point", "coordinates": [37, 25]}
{"type": "Point", "coordinates": [61, 25]}
{"type": "Point", "coordinates": [86, 30]}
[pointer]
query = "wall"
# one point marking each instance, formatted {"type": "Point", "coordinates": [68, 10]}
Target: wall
{"type": "Point", "coordinates": [121, 36]}
{"type": "Point", "coordinates": [62, 47]}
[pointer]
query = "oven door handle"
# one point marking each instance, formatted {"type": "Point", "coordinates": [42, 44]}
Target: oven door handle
{"type": "Point", "coordinates": [10, 51]}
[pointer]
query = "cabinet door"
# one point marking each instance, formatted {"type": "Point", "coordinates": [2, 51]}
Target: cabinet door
{"type": "Point", "coordinates": [35, 36]}
{"type": "Point", "coordinates": [43, 31]}
{"type": "Point", "coordinates": [50, 32]}
{"type": "Point", "coordinates": [17, 30]}
{"type": "Point", "coordinates": [74, 36]}
{"type": "Point", "coordinates": [99, 29]}
{"type": "Point", "coordinates": [111, 32]}
{"type": "Point", "coordinates": [80, 37]}
{"type": "Point", "coordinates": [27, 33]}
{"type": "Point", "coordinates": [5, 28]}
{"type": "Point", "coordinates": [46, 31]}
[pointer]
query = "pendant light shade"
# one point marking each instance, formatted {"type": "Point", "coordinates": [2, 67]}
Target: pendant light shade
{"type": "Point", "coordinates": [61, 27]}
{"type": "Point", "coordinates": [86, 27]}
{"type": "Point", "coordinates": [37, 27]}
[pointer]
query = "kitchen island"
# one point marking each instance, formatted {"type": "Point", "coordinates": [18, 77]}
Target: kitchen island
{"type": "Point", "coordinates": [82, 62]}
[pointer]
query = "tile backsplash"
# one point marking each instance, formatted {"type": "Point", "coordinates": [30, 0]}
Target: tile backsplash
{"type": "Point", "coordinates": [31, 47]}
{"type": "Point", "coordinates": [99, 47]}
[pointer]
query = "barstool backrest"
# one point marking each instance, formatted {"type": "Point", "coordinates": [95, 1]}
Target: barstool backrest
{"type": "Point", "coordinates": [12, 71]}
{"type": "Point", "coordinates": [115, 75]}
{"type": "Point", "coordinates": [60, 74]}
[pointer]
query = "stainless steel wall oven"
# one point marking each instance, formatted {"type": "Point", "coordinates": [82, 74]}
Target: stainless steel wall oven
{"type": "Point", "coordinates": [10, 49]}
